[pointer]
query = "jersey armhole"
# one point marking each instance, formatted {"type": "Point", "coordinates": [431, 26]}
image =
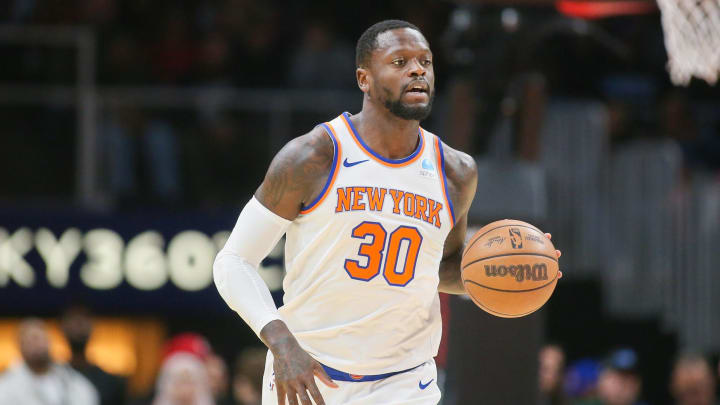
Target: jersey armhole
{"type": "Point", "coordinates": [334, 169]}
{"type": "Point", "coordinates": [443, 182]}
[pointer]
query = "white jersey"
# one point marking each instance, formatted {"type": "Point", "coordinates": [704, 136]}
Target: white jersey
{"type": "Point", "coordinates": [363, 258]}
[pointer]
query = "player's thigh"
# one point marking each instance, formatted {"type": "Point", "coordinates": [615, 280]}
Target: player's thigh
{"type": "Point", "coordinates": [416, 387]}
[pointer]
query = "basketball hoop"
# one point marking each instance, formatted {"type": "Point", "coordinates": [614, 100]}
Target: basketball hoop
{"type": "Point", "coordinates": [692, 39]}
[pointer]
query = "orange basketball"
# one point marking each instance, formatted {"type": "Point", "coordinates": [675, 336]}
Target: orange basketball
{"type": "Point", "coordinates": [509, 268]}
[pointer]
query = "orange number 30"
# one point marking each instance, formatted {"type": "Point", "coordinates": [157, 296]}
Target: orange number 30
{"type": "Point", "coordinates": [374, 250]}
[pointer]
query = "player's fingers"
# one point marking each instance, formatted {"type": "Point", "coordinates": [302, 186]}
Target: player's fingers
{"type": "Point", "coordinates": [549, 235]}
{"type": "Point", "coordinates": [280, 389]}
{"type": "Point", "coordinates": [319, 371]}
{"type": "Point", "coordinates": [558, 253]}
{"type": "Point", "coordinates": [291, 396]}
{"type": "Point", "coordinates": [315, 392]}
{"type": "Point", "coordinates": [559, 274]}
{"type": "Point", "coordinates": [304, 397]}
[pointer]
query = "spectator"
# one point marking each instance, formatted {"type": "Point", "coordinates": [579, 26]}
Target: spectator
{"type": "Point", "coordinates": [620, 382]}
{"type": "Point", "coordinates": [77, 327]}
{"type": "Point", "coordinates": [128, 134]}
{"type": "Point", "coordinates": [183, 380]}
{"type": "Point", "coordinates": [318, 50]}
{"type": "Point", "coordinates": [249, 369]}
{"type": "Point", "coordinates": [551, 371]}
{"type": "Point", "coordinates": [38, 380]}
{"type": "Point", "coordinates": [218, 377]}
{"type": "Point", "coordinates": [172, 55]}
{"type": "Point", "coordinates": [188, 342]}
{"type": "Point", "coordinates": [581, 382]}
{"type": "Point", "coordinates": [692, 381]}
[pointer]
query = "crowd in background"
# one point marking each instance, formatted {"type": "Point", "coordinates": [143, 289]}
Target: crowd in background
{"type": "Point", "coordinates": [618, 380]}
{"type": "Point", "coordinates": [493, 65]}
{"type": "Point", "coordinates": [191, 373]}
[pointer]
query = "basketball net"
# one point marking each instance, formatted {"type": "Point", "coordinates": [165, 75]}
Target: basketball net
{"type": "Point", "coordinates": [692, 39]}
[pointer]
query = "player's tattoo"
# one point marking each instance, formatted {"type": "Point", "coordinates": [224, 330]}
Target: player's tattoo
{"type": "Point", "coordinates": [297, 173]}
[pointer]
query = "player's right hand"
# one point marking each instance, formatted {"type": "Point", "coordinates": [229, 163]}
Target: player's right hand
{"type": "Point", "coordinates": [295, 373]}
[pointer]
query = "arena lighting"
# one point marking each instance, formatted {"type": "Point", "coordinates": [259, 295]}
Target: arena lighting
{"type": "Point", "coordinates": [143, 262]}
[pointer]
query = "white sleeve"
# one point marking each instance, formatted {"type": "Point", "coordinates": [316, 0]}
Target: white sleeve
{"type": "Point", "coordinates": [256, 233]}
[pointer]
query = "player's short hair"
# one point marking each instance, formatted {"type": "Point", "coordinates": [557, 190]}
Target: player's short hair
{"type": "Point", "coordinates": [368, 40]}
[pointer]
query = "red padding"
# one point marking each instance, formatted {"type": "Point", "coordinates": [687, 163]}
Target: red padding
{"type": "Point", "coordinates": [602, 9]}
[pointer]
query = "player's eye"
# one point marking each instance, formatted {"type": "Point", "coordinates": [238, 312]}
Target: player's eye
{"type": "Point", "coordinates": [398, 61]}
{"type": "Point", "coordinates": [427, 62]}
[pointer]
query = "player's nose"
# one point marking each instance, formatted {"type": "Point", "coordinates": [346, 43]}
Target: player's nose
{"type": "Point", "coordinates": [416, 68]}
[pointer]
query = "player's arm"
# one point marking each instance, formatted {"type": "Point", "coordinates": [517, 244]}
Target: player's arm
{"type": "Point", "coordinates": [461, 172]}
{"type": "Point", "coordinates": [296, 175]}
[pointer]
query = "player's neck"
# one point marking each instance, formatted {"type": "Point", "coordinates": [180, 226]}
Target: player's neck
{"type": "Point", "coordinates": [386, 134]}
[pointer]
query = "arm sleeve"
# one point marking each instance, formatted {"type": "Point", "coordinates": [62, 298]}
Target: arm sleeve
{"type": "Point", "coordinates": [256, 233]}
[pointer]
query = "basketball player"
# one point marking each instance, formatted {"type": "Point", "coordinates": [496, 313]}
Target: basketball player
{"type": "Point", "coordinates": [375, 212]}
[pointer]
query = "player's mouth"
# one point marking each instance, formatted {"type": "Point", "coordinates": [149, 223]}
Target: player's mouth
{"type": "Point", "coordinates": [417, 91]}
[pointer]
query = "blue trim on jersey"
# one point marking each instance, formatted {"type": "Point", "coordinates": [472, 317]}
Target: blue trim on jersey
{"type": "Point", "coordinates": [379, 156]}
{"type": "Point", "coordinates": [447, 190]}
{"type": "Point", "coordinates": [338, 375]}
{"type": "Point", "coordinates": [332, 169]}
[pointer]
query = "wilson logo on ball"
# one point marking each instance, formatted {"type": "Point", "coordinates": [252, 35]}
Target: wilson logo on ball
{"type": "Point", "coordinates": [521, 272]}
{"type": "Point", "coordinates": [516, 238]}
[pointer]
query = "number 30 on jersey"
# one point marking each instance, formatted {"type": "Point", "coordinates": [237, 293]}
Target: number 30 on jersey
{"type": "Point", "coordinates": [374, 250]}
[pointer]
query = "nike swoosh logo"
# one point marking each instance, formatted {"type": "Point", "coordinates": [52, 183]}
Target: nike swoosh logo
{"type": "Point", "coordinates": [423, 386]}
{"type": "Point", "coordinates": [351, 164]}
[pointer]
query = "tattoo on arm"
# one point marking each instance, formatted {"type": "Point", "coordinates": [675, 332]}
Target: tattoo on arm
{"type": "Point", "coordinates": [297, 173]}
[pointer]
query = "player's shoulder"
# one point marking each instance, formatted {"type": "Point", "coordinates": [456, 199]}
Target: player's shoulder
{"type": "Point", "coordinates": [314, 148]}
{"type": "Point", "coordinates": [460, 168]}
{"type": "Point", "coordinates": [296, 173]}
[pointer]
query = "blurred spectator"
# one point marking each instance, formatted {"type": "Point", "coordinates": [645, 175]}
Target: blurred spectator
{"type": "Point", "coordinates": [127, 135]}
{"type": "Point", "coordinates": [249, 370]}
{"type": "Point", "coordinates": [188, 342]}
{"type": "Point", "coordinates": [122, 61]}
{"type": "Point", "coordinates": [620, 382]}
{"type": "Point", "coordinates": [581, 382]}
{"type": "Point", "coordinates": [700, 143]}
{"type": "Point", "coordinates": [77, 327]}
{"type": "Point", "coordinates": [38, 380]}
{"type": "Point", "coordinates": [255, 28]}
{"type": "Point", "coordinates": [318, 50]}
{"type": "Point", "coordinates": [172, 56]}
{"type": "Point", "coordinates": [213, 64]}
{"type": "Point", "coordinates": [218, 375]}
{"type": "Point", "coordinates": [550, 373]}
{"type": "Point", "coordinates": [692, 381]}
{"type": "Point", "coordinates": [183, 380]}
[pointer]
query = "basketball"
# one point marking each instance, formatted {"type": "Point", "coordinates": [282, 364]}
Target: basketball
{"type": "Point", "coordinates": [509, 268]}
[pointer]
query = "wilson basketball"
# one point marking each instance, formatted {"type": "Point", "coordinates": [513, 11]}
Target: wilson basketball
{"type": "Point", "coordinates": [509, 268]}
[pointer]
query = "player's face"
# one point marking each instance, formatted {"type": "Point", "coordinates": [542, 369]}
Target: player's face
{"type": "Point", "coordinates": [401, 74]}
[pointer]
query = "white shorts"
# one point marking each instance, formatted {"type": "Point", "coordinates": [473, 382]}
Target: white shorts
{"type": "Point", "coordinates": [417, 387]}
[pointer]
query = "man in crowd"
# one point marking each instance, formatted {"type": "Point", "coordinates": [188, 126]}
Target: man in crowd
{"type": "Point", "coordinates": [551, 374]}
{"type": "Point", "coordinates": [77, 326]}
{"type": "Point", "coordinates": [37, 380]}
{"type": "Point", "coordinates": [692, 381]}
{"type": "Point", "coordinates": [620, 382]}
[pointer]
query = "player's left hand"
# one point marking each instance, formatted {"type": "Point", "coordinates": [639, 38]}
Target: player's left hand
{"type": "Point", "coordinates": [557, 252]}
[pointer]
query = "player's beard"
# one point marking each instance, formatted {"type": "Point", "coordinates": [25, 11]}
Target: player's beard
{"type": "Point", "coordinates": [405, 111]}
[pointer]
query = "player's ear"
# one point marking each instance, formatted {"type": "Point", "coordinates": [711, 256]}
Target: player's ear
{"type": "Point", "coordinates": [363, 79]}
